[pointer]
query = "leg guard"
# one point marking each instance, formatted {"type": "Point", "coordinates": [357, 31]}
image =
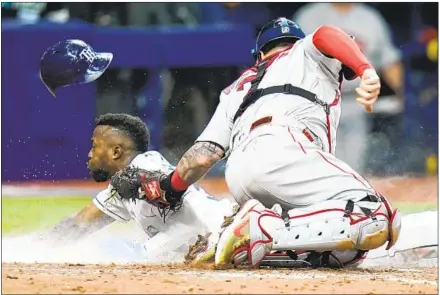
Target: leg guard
{"type": "Point", "coordinates": [330, 226]}
{"type": "Point", "coordinates": [339, 225]}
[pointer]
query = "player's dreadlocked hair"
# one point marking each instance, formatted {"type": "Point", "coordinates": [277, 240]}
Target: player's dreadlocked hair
{"type": "Point", "coordinates": [133, 126]}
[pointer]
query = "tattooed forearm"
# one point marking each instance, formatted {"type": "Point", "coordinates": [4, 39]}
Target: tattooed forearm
{"type": "Point", "coordinates": [198, 160]}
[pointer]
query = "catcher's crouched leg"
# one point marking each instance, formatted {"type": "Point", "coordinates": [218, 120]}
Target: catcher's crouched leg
{"type": "Point", "coordinates": [325, 227]}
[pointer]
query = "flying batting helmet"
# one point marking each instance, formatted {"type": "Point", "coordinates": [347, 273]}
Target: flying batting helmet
{"type": "Point", "coordinates": [71, 62]}
{"type": "Point", "coordinates": [279, 28]}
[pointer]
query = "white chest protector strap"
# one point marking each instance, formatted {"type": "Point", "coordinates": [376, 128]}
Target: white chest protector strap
{"type": "Point", "coordinates": [327, 226]}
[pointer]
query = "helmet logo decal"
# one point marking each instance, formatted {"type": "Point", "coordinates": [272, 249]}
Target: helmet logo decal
{"type": "Point", "coordinates": [87, 54]}
{"type": "Point", "coordinates": [278, 28]}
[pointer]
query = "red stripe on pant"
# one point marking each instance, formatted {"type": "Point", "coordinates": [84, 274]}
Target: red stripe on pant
{"type": "Point", "coordinates": [293, 137]}
{"type": "Point", "coordinates": [339, 168]}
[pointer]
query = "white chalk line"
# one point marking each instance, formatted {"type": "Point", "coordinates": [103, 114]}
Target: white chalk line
{"type": "Point", "coordinates": [222, 274]}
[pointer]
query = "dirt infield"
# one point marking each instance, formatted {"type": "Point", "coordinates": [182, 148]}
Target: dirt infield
{"type": "Point", "coordinates": [19, 278]}
{"type": "Point", "coordinates": [93, 279]}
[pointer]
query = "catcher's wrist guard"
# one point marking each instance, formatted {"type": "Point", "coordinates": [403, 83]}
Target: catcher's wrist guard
{"type": "Point", "coordinates": [173, 196]}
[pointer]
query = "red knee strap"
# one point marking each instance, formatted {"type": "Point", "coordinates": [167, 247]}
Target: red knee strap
{"type": "Point", "coordinates": [394, 222]}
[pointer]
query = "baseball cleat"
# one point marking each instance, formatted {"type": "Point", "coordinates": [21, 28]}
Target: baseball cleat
{"type": "Point", "coordinates": [203, 250]}
{"type": "Point", "coordinates": [233, 244]}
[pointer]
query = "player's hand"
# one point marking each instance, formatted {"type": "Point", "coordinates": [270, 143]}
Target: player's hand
{"type": "Point", "coordinates": [134, 183]}
{"type": "Point", "coordinates": [368, 89]}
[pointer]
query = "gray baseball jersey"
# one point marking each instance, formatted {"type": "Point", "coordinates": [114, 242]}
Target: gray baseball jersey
{"type": "Point", "coordinates": [277, 162]}
{"type": "Point", "coordinates": [303, 66]}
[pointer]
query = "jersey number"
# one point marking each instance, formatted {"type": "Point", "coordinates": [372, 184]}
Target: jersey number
{"type": "Point", "coordinates": [248, 79]}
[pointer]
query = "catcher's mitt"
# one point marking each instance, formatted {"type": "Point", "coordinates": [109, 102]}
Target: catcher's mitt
{"type": "Point", "coordinates": [135, 183]}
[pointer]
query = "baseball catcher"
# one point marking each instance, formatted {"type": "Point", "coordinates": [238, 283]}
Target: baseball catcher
{"type": "Point", "coordinates": [277, 123]}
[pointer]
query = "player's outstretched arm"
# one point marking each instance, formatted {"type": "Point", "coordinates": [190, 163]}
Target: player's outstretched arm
{"type": "Point", "coordinates": [198, 160]}
{"type": "Point", "coordinates": [159, 188]}
{"type": "Point", "coordinates": [77, 226]}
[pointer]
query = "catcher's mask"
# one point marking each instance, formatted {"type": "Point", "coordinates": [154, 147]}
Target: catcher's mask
{"type": "Point", "coordinates": [277, 29]}
{"type": "Point", "coordinates": [71, 62]}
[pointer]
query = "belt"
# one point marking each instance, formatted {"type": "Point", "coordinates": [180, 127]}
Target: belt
{"type": "Point", "coordinates": [268, 120]}
{"type": "Point", "coordinates": [261, 121]}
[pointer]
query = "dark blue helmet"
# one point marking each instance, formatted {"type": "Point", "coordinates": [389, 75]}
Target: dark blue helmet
{"type": "Point", "coordinates": [279, 28]}
{"type": "Point", "coordinates": [71, 62]}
